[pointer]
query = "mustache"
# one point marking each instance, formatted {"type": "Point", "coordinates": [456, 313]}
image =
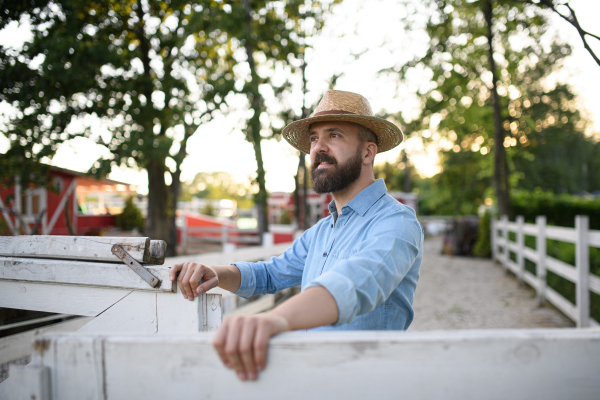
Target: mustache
{"type": "Point", "coordinates": [322, 157]}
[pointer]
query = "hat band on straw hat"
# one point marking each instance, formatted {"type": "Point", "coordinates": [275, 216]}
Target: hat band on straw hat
{"type": "Point", "coordinates": [331, 112]}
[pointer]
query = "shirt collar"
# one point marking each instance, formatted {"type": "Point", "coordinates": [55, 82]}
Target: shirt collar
{"type": "Point", "coordinates": [364, 200]}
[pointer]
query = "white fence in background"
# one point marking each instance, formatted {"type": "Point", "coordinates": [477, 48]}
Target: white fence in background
{"type": "Point", "coordinates": [582, 236]}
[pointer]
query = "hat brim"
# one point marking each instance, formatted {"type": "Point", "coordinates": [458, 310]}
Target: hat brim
{"type": "Point", "coordinates": [388, 134]}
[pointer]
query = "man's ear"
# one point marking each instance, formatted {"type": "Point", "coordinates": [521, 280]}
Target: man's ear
{"type": "Point", "coordinates": [371, 151]}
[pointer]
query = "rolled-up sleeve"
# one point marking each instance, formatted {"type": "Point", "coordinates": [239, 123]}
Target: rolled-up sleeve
{"type": "Point", "coordinates": [276, 274]}
{"type": "Point", "coordinates": [368, 277]}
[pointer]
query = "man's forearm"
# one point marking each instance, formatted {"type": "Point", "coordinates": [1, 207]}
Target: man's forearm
{"type": "Point", "coordinates": [312, 308]}
{"type": "Point", "coordinates": [229, 277]}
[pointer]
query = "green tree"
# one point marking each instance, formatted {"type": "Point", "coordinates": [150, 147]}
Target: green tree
{"type": "Point", "coordinates": [488, 66]}
{"type": "Point", "coordinates": [217, 186]}
{"type": "Point", "coordinates": [147, 72]}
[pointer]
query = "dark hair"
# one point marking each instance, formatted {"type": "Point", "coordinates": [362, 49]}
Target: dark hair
{"type": "Point", "coordinates": [365, 134]}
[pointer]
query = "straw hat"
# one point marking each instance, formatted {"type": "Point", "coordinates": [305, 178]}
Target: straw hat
{"type": "Point", "coordinates": [347, 107]}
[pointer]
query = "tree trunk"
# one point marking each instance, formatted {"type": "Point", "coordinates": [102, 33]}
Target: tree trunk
{"type": "Point", "coordinates": [406, 172]}
{"type": "Point", "coordinates": [501, 170]}
{"type": "Point", "coordinates": [159, 205]}
{"type": "Point", "coordinates": [253, 133]}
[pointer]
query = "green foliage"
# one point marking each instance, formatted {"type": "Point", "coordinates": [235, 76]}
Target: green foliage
{"type": "Point", "coordinates": [544, 131]}
{"type": "Point", "coordinates": [285, 218]}
{"type": "Point", "coordinates": [559, 209]}
{"type": "Point", "coordinates": [208, 209]}
{"type": "Point", "coordinates": [483, 245]}
{"type": "Point", "coordinates": [131, 217]}
{"type": "Point", "coordinates": [217, 186]}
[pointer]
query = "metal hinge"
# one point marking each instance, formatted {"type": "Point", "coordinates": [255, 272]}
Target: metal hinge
{"type": "Point", "coordinates": [138, 268]}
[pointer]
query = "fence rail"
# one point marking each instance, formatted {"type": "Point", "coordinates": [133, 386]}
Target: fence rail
{"type": "Point", "coordinates": [579, 274]}
{"type": "Point", "coordinates": [508, 364]}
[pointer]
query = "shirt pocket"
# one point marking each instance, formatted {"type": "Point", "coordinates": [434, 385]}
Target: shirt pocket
{"type": "Point", "coordinates": [346, 253]}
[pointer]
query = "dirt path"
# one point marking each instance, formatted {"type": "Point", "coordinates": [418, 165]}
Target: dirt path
{"type": "Point", "coordinates": [473, 293]}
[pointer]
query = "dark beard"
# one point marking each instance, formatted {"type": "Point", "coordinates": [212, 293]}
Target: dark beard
{"type": "Point", "coordinates": [342, 176]}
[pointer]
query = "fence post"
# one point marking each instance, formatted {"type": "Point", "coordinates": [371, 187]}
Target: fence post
{"type": "Point", "coordinates": [540, 244]}
{"type": "Point", "coordinates": [505, 252]}
{"type": "Point", "coordinates": [184, 234]}
{"type": "Point", "coordinates": [520, 247]}
{"type": "Point", "coordinates": [224, 236]}
{"type": "Point", "coordinates": [494, 238]}
{"type": "Point", "coordinates": [582, 264]}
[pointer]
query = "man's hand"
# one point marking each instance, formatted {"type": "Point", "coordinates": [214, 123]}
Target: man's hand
{"type": "Point", "coordinates": [242, 342]}
{"type": "Point", "coordinates": [189, 278]}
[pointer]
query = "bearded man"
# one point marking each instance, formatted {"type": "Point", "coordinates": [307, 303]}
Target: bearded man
{"type": "Point", "coordinates": [358, 267]}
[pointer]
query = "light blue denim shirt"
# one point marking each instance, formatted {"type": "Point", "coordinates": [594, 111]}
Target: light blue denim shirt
{"type": "Point", "coordinates": [368, 258]}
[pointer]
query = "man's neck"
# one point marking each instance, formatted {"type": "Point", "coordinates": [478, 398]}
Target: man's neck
{"type": "Point", "coordinates": [343, 197]}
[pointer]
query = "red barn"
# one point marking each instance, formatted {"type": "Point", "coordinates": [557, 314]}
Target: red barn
{"type": "Point", "coordinates": [54, 210]}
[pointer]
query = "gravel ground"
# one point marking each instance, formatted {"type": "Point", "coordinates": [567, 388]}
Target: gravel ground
{"type": "Point", "coordinates": [474, 293]}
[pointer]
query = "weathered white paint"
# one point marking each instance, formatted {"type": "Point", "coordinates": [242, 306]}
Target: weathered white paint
{"type": "Point", "coordinates": [509, 364]}
{"type": "Point", "coordinates": [91, 248]}
{"type": "Point", "coordinates": [18, 346]}
{"type": "Point", "coordinates": [26, 382]}
{"type": "Point", "coordinates": [178, 315]}
{"type": "Point", "coordinates": [65, 299]}
{"type": "Point", "coordinates": [83, 273]}
{"type": "Point", "coordinates": [579, 274]}
{"type": "Point", "coordinates": [134, 313]}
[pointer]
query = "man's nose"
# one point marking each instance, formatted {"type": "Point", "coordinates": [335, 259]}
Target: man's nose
{"type": "Point", "coordinates": [318, 146]}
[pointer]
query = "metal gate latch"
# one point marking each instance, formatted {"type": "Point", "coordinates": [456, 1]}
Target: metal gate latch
{"type": "Point", "coordinates": [138, 268]}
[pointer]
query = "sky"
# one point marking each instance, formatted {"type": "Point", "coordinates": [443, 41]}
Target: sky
{"type": "Point", "coordinates": [356, 27]}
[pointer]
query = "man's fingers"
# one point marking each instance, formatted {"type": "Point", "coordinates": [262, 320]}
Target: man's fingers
{"type": "Point", "coordinates": [219, 342]}
{"type": "Point", "coordinates": [261, 341]}
{"type": "Point", "coordinates": [232, 345]}
{"type": "Point", "coordinates": [245, 347]}
{"type": "Point", "coordinates": [174, 270]}
{"type": "Point", "coordinates": [206, 286]}
{"type": "Point", "coordinates": [189, 288]}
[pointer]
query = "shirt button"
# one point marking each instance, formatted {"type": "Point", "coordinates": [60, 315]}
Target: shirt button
{"type": "Point", "coordinates": [325, 254]}
{"type": "Point", "coordinates": [332, 225]}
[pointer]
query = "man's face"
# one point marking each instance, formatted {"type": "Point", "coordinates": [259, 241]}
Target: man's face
{"type": "Point", "coordinates": [336, 156]}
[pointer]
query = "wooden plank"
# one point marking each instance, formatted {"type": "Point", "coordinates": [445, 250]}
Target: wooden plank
{"type": "Point", "coordinates": [178, 315]}
{"type": "Point", "coordinates": [511, 265]}
{"type": "Point", "coordinates": [530, 229]}
{"type": "Point", "coordinates": [530, 254]}
{"type": "Point", "coordinates": [512, 246]}
{"type": "Point", "coordinates": [512, 226]}
{"type": "Point", "coordinates": [582, 266]}
{"type": "Point", "coordinates": [561, 233]}
{"type": "Point", "coordinates": [561, 268]}
{"type": "Point", "coordinates": [66, 299]}
{"type": "Point", "coordinates": [252, 254]}
{"type": "Point", "coordinates": [508, 364]}
{"type": "Point", "coordinates": [81, 273]}
{"type": "Point", "coordinates": [265, 303]}
{"type": "Point", "coordinates": [594, 284]}
{"type": "Point", "coordinates": [531, 280]}
{"type": "Point", "coordinates": [28, 382]}
{"type": "Point", "coordinates": [594, 238]}
{"type": "Point", "coordinates": [92, 248]}
{"type": "Point", "coordinates": [18, 346]}
{"type": "Point", "coordinates": [561, 303]}
{"type": "Point", "coordinates": [135, 313]}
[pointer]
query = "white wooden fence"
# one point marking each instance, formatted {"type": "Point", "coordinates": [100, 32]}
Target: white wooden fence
{"type": "Point", "coordinates": [36, 274]}
{"type": "Point", "coordinates": [496, 364]}
{"type": "Point", "coordinates": [582, 236]}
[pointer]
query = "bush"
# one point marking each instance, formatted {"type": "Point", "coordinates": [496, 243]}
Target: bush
{"type": "Point", "coordinates": [560, 210]}
{"type": "Point", "coordinates": [131, 217]}
{"type": "Point", "coordinates": [483, 245]}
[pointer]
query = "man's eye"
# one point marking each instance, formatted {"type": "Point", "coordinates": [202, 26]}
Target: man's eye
{"type": "Point", "coordinates": [313, 138]}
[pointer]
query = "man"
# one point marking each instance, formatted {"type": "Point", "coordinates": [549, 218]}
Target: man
{"type": "Point", "coordinates": [358, 267]}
